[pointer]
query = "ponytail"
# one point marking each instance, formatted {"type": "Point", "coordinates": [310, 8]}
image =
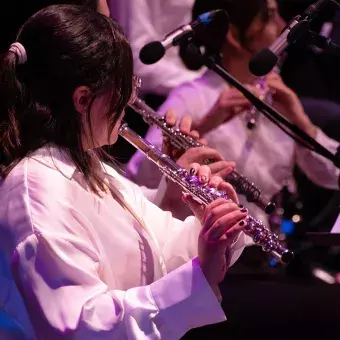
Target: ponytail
{"type": "Point", "coordinates": [12, 103]}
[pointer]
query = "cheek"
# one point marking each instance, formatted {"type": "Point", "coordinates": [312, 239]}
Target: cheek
{"type": "Point", "coordinates": [274, 30]}
{"type": "Point", "coordinates": [268, 36]}
{"type": "Point", "coordinates": [114, 133]}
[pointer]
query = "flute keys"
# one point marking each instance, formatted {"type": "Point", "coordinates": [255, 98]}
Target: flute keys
{"type": "Point", "coordinates": [269, 246]}
{"type": "Point", "coordinates": [259, 237]}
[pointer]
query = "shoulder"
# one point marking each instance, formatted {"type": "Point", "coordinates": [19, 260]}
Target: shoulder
{"type": "Point", "coordinates": [187, 89]}
{"type": "Point", "coordinates": [48, 173]}
{"type": "Point", "coordinates": [192, 97]}
{"type": "Point", "coordinates": [31, 193]}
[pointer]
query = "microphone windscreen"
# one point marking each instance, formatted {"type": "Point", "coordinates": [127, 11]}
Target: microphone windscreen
{"type": "Point", "coordinates": [262, 62]}
{"type": "Point", "coordinates": [151, 53]}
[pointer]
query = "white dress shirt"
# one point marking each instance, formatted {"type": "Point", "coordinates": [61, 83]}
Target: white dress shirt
{"type": "Point", "coordinates": [266, 155]}
{"type": "Point", "coordinates": [144, 21]}
{"type": "Point", "coordinates": [88, 269]}
{"type": "Point", "coordinates": [336, 227]}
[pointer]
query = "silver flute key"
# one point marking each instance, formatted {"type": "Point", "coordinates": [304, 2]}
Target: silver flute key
{"type": "Point", "coordinates": [204, 194]}
{"type": "Point", "coordinates": [181, 141]}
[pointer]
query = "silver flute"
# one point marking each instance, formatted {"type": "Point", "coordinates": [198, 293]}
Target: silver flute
{"type": "Point", "coordinates": [182, 141]}
{"type": "Point", "coordinates": [204, 194]}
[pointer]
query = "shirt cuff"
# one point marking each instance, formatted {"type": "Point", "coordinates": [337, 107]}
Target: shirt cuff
{"type": "Point", "coordinates": [158, 198]}
{"type": "Point", "coordinates": [324, 140]}
{"type": "Point", "coordinates": [185, 300]}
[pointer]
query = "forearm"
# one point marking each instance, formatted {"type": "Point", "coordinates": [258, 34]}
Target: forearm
{"type": "Point", "coordinates": [205, 124]}
{"type": "Point", "coordinates": [319, 169]}
{"type": "Point", "coordinates": [303, 122]}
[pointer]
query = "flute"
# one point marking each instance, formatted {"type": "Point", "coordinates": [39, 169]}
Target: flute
{"type": "Point", "coordinates": [182, 141]}
{"type": "Point", "coordinates": [204, 194]}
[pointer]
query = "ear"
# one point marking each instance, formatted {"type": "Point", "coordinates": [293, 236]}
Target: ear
{"type": "Point", "coordinates": [81, 99]}
{"type": "Point", "coordinates": [103, 8]}
{"type": "Point", "coordinates": [233, 38]}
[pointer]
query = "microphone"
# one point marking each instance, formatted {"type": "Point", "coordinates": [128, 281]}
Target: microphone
{"type": "Point", "coordinates": [265, 60]}
{"type": "Point", "coordinates": [154, 51]}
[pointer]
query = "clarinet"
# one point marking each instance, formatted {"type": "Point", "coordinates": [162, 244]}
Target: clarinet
{"type": "Point", "coordinates": [182, 141]}
{"type": "Point", "coordinates": [265, 95]}
{"type": "Point", "coordinates": [261, 235]}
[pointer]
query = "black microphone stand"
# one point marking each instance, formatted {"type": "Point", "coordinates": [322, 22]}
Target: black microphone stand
{"type": "Point", "coordinates": [292, 130]}
{"type": "Point", "coordinates": [323, 43]}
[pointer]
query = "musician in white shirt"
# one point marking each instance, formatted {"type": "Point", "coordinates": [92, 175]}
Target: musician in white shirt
{"type": "Point", "coordinates": [92, 257]}
{"type": "Point", "coordinates": [265, 154]}
{"type": "Point", "coordinates": [144, 21]}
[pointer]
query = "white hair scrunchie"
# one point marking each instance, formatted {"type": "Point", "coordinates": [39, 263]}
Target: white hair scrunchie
{"type": "Point", "coordinates": [20, 52]}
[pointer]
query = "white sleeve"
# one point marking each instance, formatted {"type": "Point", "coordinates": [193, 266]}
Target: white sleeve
{"type": "Point", "coordinates": [139, 19]}
{"type": "Point", "coordinates": [156, 195]}
{"type": "Point", "coordinates": [178, 239]}
{"type": "Point", "coordinates": [336, 227]}
{"type": "Point", "coordinates": [317, 168]}
{"type": "Point", "coordinates": [59, 278]}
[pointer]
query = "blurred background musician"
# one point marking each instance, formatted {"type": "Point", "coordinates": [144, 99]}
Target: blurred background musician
{"type": "Point", "coordinates": [264, 154]}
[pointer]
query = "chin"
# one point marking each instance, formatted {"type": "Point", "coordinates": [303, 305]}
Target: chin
{"type": "Point", "coordinates": [113, 139]}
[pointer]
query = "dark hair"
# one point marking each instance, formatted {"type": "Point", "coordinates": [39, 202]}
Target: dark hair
{"type": "Point", "coordinates": [67, 46]}
{"type": "Point", "coordinates": [241, 14]}
{"type": "Point", "coordinates": [10, 28]}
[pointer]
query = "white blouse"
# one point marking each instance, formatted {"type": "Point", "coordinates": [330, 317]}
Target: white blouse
{"type": "Point", "coordinates": [336, 227]}
{"type": "Point", "coordinates": [144, 21]}
{"type": "Point", "coordinates": [87, 269]}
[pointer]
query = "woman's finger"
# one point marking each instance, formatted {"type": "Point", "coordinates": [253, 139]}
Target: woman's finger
{"type": "Point", "coordinates": [232, 102]}
{"type": "Point", "coordinates": [219, 211]}
{"type": "Point", "coordinates": [185, 124]}
{"type": "Point", "coordinates": [198, 155]}
{"type": "Point", "coordinates": [229, 190]}
{"type": "Point", "coordinates": [203, 141]}
{"type": "Point", "coordinates": [210, 207]}
{"type": "Point", "coordinates": [204, 174]}
{"type": "Point", "coordinates": [232, 234]}
{"type": "Point", "coordinates": [215, 181]}
{"type": "Point", "coordinates": [277, 85]}
{"type": "Point", "coordinates": [195, 134]}
{"type": "Point", "coordinates": [273, 75]}
{"type": "Point", "coordinates": [222, 226]}
{"type": "Point", "coordinates": [171, 117]}
{"type": "Point", "coordinates": [193, 169]}
{"type": "Point", "coordinates": [196, 207]}
{"type": "Point", "coordinates": [222, 168]}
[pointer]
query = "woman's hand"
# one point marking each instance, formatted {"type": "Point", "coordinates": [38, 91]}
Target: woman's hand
{"type": "Point", "coordinates": [288, 104]}
{"type": "Point", "coordinates": [222, 223]}
{"type": "Point", "coordinates": [185, 126]}
{"type": "Point", "coordinates": [203, 172]}
{"type": "Point", "coordinates": [194, 155]}
{"type": "Point", "coordinates": [230, 103]}
{"type": "Point", "coordinates": [211, 175]}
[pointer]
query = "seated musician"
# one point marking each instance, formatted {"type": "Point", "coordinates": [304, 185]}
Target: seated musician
{"type": "Point", "coordinates": [91, 256]}
{"type": "Point", "coordinates": [264, 154]}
